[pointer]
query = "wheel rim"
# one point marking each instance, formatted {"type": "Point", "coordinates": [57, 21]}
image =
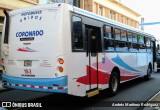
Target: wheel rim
{"type": "Point", "coordinates": [114, 83]}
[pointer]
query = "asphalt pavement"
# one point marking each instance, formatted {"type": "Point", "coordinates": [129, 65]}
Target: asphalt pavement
{"type": "Point", "coordinates": [1, 85]}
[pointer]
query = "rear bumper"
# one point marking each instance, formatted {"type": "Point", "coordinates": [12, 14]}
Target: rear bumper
{"type": "Point", "coordinates": [57, 85]}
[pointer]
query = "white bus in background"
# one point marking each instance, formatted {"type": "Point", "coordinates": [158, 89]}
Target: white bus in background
{"type": "Point", "coordinates": [63, 49]}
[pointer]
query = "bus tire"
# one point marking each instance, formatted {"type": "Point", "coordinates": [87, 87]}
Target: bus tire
{"type": "Point", "coordinates": [114, 83]}
{"type": "Point", "coordinates": [149, 72]}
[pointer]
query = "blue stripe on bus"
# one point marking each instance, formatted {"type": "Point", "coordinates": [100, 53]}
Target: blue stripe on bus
{"type": "Point", "coordinates": [121, 63]}
{"type": "Point", "coordinates": [46, 82]}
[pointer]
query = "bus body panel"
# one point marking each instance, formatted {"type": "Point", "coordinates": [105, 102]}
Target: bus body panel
{"type": "Point", "coordinates": [52, 39]}
{"type": "Point", "coordinates": [129, 69]}
{"type": "Point", "coordinates": [31, 39]}
{"type": "Point", "coordinates": [76, 69]}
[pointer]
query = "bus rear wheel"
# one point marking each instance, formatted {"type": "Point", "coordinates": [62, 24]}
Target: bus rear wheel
{"type": "Point", "coordinates": [114, 83]}
{"type": "Point", "coordinates": [149, 71]}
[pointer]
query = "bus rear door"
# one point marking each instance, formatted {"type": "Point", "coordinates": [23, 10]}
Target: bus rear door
{"type": "Point", "coordinates": [93, 40]}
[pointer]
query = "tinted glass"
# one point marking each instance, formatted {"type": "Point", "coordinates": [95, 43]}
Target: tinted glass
{"type": "Point", "coordinates": [77, 33]}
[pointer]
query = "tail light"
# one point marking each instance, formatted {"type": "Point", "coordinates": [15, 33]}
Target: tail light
{"type": "Point", "coordinates": [59, 66]}
{"type": "Point", "coordinates": [60, 69]}
{"type": "Point", "coordinates": [61, 61]}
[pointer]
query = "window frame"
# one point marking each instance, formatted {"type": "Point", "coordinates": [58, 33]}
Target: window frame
{"type": "Point", "coordinates": [122, 30]}
{"type": "Point", "coordinates": [120, 41]}
{"type": "Point", "coordinates": [131, 42]}
{"type": "Point", "coordinates": [115, 34]}
{"type": "Point", "coordinates": [149, 44]}
{"type": "Point", "coordinates": [82, 49]}
{"type": "Point", "coordinates": [139, 40]}
{"type": "Point", "coordinates": [111, 32]}
{"type": "Point", "coordinates": [128, 36]}
{"type": "Point", "coordinates": [133, 38]}
{"type": "Point", "coordinates": [108, 38]}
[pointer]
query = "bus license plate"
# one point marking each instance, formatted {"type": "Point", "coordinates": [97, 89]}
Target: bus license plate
{"type": "Point", "coordinates": [28, 63]}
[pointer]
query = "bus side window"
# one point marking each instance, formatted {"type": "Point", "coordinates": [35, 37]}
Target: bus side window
{"type": "Point", "coordinates": [152, 45]}
{"type": "Point", "coordinates": [140, 39]}
{"type": "Point", "coordinates": [77, 33]}
{"type": "Point", "coordinates": [117, 34]}
{"type": "Point", "coordinates": [142, 44]}
{"type": "Point", "coordinates": [121, 46]}
{"type": "Point", "coordinates": [148, 44]}
{"type": "Point", "coordinates": [130, 45]}
{"type": "Point", "coordinates": [134, 38]}
{"type": "Point", "coordinates": [121, 40]}
{"type": "Point", "coordinates": [123, 35]}
{"type": "Point", "coordinates": [108, 38]}
{"type": "Point", "coordinates": [133, 46]}
{"type": "Point", "coordinates": [109, 44]}
{"type": "Point", "coordinates": [129, 37]}
{"type": "Point", "coordinates": [108, 32]}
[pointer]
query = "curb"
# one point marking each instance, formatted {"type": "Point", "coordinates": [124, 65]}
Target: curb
{"type": "Point", "coordinates": [156, 100]}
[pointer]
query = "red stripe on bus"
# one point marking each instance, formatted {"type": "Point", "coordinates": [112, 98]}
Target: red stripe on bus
{"type": "Point", "coordinates": [16, 84]}
{"type": "Point", "coordinates": [32, 86]}
{"type": "Point", "coordinates": [41, 87]}
{"type": "Point", "coordinates": [60, 88]}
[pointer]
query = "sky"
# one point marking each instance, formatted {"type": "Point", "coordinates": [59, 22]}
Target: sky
{"type": "Point", "coordinates": [150, 10]}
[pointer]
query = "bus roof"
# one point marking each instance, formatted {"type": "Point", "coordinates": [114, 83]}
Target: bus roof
{"type": "Point", "coordinates": [98, 17]}
{"type": "Point", "coordinates": [37, 7]}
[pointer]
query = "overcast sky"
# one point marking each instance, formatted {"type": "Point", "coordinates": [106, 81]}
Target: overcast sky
{"type": "Point", "coordinates": [150, 10]}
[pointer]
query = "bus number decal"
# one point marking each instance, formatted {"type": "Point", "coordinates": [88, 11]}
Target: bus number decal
{"type": "Point", "coordinates": [28, 72]}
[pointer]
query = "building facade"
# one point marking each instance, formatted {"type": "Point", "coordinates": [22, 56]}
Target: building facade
{"type": "Point", "coordinates": [113, 9]}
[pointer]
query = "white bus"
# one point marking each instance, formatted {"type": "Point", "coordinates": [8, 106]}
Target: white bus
{"type": "Point", "coordinates": [63, 49]}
